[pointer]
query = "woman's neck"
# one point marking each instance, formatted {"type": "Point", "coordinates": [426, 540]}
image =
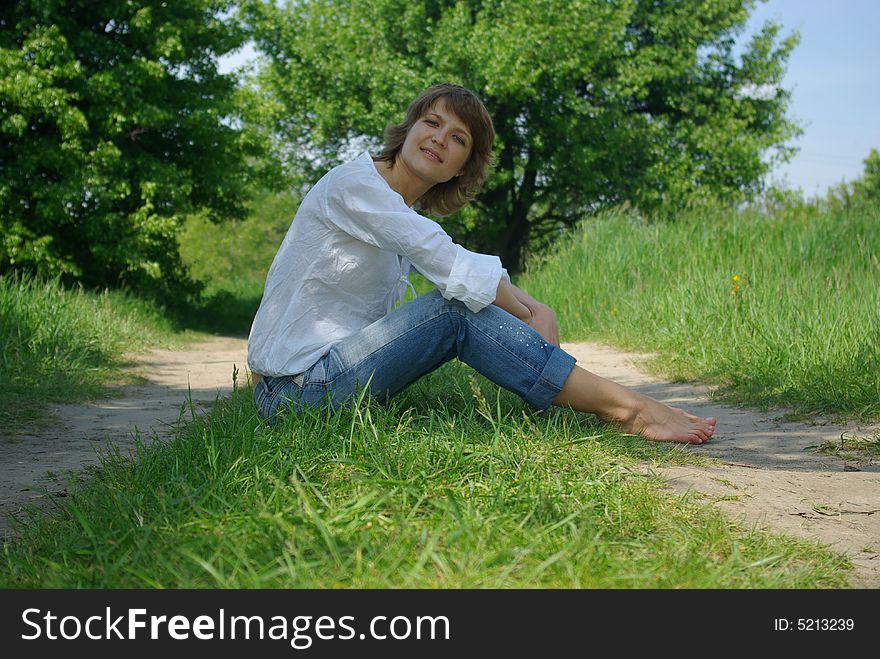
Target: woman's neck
{"type": "Point", "coordinates": [401, 181]}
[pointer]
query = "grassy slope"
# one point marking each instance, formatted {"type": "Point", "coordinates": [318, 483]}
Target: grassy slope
{"type": "Point", "coordinates": [58, 345]}
{"type": "Point", "coordinates": [232, 260]}
{"type": "Point", "coordinates": [776, 310]}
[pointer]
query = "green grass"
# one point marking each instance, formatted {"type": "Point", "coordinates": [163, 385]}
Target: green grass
{"type": "Point", "coordinates": [458, 484]}
{"type": "Point", "coordinates": [63, 345]}
{"type": "Point", "coordinates": [776, 310]}
{"type": "Point", "coordinates": [454, 485]}
{"type": "Point", "coordinates": [60, 345]}
{"type": "Point", "coordinates": [853, 447]}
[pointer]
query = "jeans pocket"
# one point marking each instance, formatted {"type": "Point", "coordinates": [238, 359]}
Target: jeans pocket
{"type": "Point", "coordinates": [263, 398]}
{"type": "Point", "coordinates": [332, 366]}
{"type": "Point", "coordinates": [322, 371]}
{"type": "Point", "coordinates": [271, 393]}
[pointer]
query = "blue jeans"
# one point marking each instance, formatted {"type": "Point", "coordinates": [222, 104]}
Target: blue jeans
{"type": "Point", "coordinates": [412, 341]}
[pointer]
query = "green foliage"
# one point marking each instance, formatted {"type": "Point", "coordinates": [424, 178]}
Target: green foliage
{"type": "Point", "coordinates": [778, 308]}
{"type": "Point", "coordinates": [230, 260]}
{"type": "Point", "coordinates": [595, 103]}
{"type": "Point", "coordinates": [864, 190]}
{"type": "Point", "coordinates": [60, 345]}
{"type": "Point", "coordinates": [237, 255]}
{"type": "Point", "coordinates": [114, 125]}
{"type": "Point", "coordinates": [447, 488]}
{"type": "Point", "coordinates": [868, 186]}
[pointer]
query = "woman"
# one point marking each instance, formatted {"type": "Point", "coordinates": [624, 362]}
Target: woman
{"type": "Point", "coordinates": [327, 326]}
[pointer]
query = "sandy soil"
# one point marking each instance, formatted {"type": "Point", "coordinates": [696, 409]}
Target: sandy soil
{"type": "Point", "coordinates": [34, 467]}
{"type": "Point", "coordinates": [761, 472]}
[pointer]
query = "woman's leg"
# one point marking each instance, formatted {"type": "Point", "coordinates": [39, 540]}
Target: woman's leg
{"type": "Point", "coordinates": [422, 335]}
{"type": "Point", "coordinates": [414, 340]}
{"type": "Point", "coordinates": [429, 331]}
{"type": "Point", "coordinates": [633, 412]}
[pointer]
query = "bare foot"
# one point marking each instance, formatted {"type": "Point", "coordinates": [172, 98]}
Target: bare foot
{"type": "Point", "coordinates": [659, 422]}
{"type": "Point", "coordinates": [633, 412]}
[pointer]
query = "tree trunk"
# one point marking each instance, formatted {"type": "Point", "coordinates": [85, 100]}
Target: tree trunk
{"type": "Point", "coordinates": [511, 249]}
{"type": "Point", "coordinates": [515, 237]}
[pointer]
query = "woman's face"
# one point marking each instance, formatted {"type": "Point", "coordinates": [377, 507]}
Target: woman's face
{"type": "Point", "coordinates": [437, 146]}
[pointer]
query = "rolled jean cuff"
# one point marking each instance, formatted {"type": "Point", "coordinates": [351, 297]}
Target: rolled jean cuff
{"type": "Point", "coordinates": [551, 380]}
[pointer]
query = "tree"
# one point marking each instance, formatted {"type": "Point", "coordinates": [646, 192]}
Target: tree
{"type": "Point", "coordinates": [595, 102]}
{"type": "Point", "coordinates": [868, 185]}
{"type": "Point", "coordinates": [115, 124]}
{"type": "Point", "coordinates": [864, 190]}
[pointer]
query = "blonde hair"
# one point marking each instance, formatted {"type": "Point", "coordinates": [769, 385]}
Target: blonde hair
{"type": "Point", "coordinates": [446, 198]}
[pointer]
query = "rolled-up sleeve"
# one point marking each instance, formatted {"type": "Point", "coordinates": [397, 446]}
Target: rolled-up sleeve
{"type": "Point", "coordinates": [473, 279]}
{"type": "Point", "coordinates": [367, 209]}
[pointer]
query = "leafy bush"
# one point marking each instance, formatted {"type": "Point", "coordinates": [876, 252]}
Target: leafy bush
{"type": "Point", "coordinates": [114, 125]}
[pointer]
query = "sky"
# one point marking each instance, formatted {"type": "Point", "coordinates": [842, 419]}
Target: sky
{"type": "Point", "coordinates": [834, 75]}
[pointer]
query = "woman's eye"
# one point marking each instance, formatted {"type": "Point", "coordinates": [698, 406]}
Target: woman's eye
{"type": "Point", "coordinates": [460, 140]}
{"type": "Point", "coordinates": [430, 122]}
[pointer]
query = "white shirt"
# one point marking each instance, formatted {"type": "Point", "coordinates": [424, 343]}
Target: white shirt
{"type": "Point", "coordinates": [344, 264]}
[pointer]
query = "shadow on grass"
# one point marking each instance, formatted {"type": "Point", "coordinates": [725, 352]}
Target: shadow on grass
{"type": "Point", "coordinates": [222, 313]}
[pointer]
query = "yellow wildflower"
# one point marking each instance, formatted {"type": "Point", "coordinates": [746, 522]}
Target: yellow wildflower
{"type": "Point", "coordinates": [735, 287]}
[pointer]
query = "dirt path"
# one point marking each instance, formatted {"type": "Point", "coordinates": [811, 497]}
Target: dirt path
{"type": "Point", "coordinates": [761, 474]}
{"type": "Point", "coordinates": [33, 466]}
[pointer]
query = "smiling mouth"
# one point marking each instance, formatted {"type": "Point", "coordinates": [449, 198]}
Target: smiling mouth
{"type": "Point", "coordinates": [431, 155]}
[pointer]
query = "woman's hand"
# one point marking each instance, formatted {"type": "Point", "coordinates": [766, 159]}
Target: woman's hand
{"type": "Point", "coordinates": [544, 322]}
{"type": "Point", "coordinates": [536, 314]}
